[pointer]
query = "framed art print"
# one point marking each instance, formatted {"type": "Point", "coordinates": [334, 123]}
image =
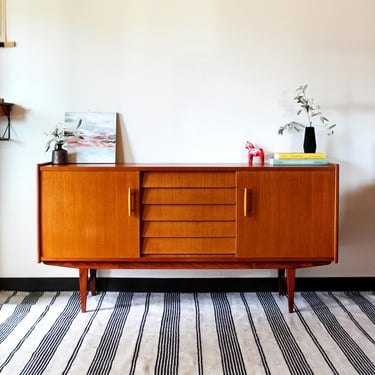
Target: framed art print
{"type": "Point", "coordinates": [90, 137]}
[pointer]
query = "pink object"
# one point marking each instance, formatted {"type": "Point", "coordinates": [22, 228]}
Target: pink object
{"type": "Point", "coordinates": [254, 151]}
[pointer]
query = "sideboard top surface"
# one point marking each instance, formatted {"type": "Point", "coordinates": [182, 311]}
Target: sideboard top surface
{"type": "Point", "coordinates": [183, 167]}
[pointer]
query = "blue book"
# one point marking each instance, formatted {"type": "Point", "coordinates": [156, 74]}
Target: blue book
{"type": "Point", "coordinates": [298, 161]}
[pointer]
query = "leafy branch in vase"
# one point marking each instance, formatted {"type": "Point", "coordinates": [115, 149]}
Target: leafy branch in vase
{"type": "Point", "coordinates": [308, 106]}
{"type": "Point", "coordinates": [59, 135]}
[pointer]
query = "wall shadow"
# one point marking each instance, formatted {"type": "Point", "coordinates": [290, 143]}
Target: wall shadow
{"type": "Point", "coordinates": [357, 224]}
{"type": "Point", "coordinates": [124, 152]}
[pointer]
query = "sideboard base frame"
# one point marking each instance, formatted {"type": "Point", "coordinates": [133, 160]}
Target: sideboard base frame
{"type": "Point", "coordinates": [286, 272]}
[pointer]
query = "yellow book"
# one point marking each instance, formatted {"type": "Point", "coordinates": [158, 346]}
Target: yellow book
{"type": "Point", "coordinates": [299, 155]}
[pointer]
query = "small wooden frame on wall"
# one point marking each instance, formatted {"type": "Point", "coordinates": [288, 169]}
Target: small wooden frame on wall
{"type": "Point", "coordinates": [3, 31]}
{"type": "Point", "coordinates": [2, 20]}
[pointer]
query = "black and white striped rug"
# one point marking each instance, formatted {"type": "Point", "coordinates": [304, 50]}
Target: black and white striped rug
{"type": "Point", "coordinates": [182, 333]}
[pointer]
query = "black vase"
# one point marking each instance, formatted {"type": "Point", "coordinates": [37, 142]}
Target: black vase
{"type": "Point", "coordinates": [59, 155]}
{"type": "Point", "coordinates": [309, 142]}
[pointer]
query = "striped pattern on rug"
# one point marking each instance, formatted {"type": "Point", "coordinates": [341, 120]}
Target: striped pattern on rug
{"type": "Point", "coordinates": [187, 333]}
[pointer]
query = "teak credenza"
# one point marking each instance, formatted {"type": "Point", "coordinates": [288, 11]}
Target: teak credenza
{"type": "Point", "coordinates": [187, 216]}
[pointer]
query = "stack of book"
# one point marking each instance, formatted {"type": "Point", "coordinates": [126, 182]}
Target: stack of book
{"type": "Point", "coordinates": [298, 158]}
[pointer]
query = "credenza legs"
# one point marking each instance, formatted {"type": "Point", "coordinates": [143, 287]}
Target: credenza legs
{"type": "Point", "coordinates": [92, 281]}
{"type": "Point", "coordinates": [291, 282]}
{"type": "Point", "coordinates": [84, 282]}
{"type": "Point", "coordinates": [83, 274]}
{"type": "Point", "coordinates": [282, 281]}
{"type": "Point", "coordinates": [287, 285]}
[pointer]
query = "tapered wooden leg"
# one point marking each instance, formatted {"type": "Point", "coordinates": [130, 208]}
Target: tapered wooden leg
{"type": "Point", "coordinates": [92, 282]}
{"type": "Point", "coordinates": [291, 281]}
{"type": "Point", "coordinates": [281, 281]}
{"type": "Point", "coordinates": [83, 273]}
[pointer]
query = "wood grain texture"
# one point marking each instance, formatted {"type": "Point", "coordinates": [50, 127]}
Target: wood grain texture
{"type": "Point", "coordinates": [86, 214]}
{"type": "Point", "coordinates": [187, 217]}
{"type": "Point", "coordinates": [291, 214]}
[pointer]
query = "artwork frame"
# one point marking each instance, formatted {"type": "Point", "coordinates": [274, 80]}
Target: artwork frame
{"type": "Point", "coordinates": [2, 21]}
{"type": "Point", "coordinates": [90, 137]}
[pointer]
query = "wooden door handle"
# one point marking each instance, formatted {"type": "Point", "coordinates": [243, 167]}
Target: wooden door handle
{"type": "Point", "coordinates": [130, 201]}
{"type": "Point", "coordinates": [245, 202]}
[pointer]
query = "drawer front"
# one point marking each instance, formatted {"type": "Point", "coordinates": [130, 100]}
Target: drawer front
{"type": "Point", "coordinates": [188, 213]}
{"type": "Point", "coordinates": [188, 246]}
{"type": "Point", "coordinates": [188, 179]}
{"type": "Point", "coordinates": [206, 196]}
{"type": "Point", "coordinates": [190, 229]}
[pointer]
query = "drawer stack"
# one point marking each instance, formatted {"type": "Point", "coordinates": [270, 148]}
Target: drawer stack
{"type": "Point", "coordinates": [188, 213]}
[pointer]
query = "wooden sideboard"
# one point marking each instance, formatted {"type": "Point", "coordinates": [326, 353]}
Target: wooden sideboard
{"type": "Point", "coordinates": [187, 216]}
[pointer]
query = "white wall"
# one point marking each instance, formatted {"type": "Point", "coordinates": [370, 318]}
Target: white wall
{"type": "Point", "coordinates": [192, 80]}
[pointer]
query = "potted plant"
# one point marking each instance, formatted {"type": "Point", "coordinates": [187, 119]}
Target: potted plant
{"type": "Point", "coordinates": [59, 155]}
{"type": "Point", "coordinates": [59, 136]}
{"type": "Point", "coordinates": [312, 110]}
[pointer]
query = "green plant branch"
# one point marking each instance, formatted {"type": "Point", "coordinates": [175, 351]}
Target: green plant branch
{"type": "Point", "coordinates": [59, 135]}
{"type": "Point", "coordinates": [311, 109]}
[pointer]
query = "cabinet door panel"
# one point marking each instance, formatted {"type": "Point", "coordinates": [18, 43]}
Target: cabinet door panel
{"type": "Point", "coordinates": [290, 215]}
{"type": "Point", "coordinates": [85, 215]}
{"type": "Point", "coordinates": [257, 214]}
{"type": "Point", "coordinates": [307, 214]}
